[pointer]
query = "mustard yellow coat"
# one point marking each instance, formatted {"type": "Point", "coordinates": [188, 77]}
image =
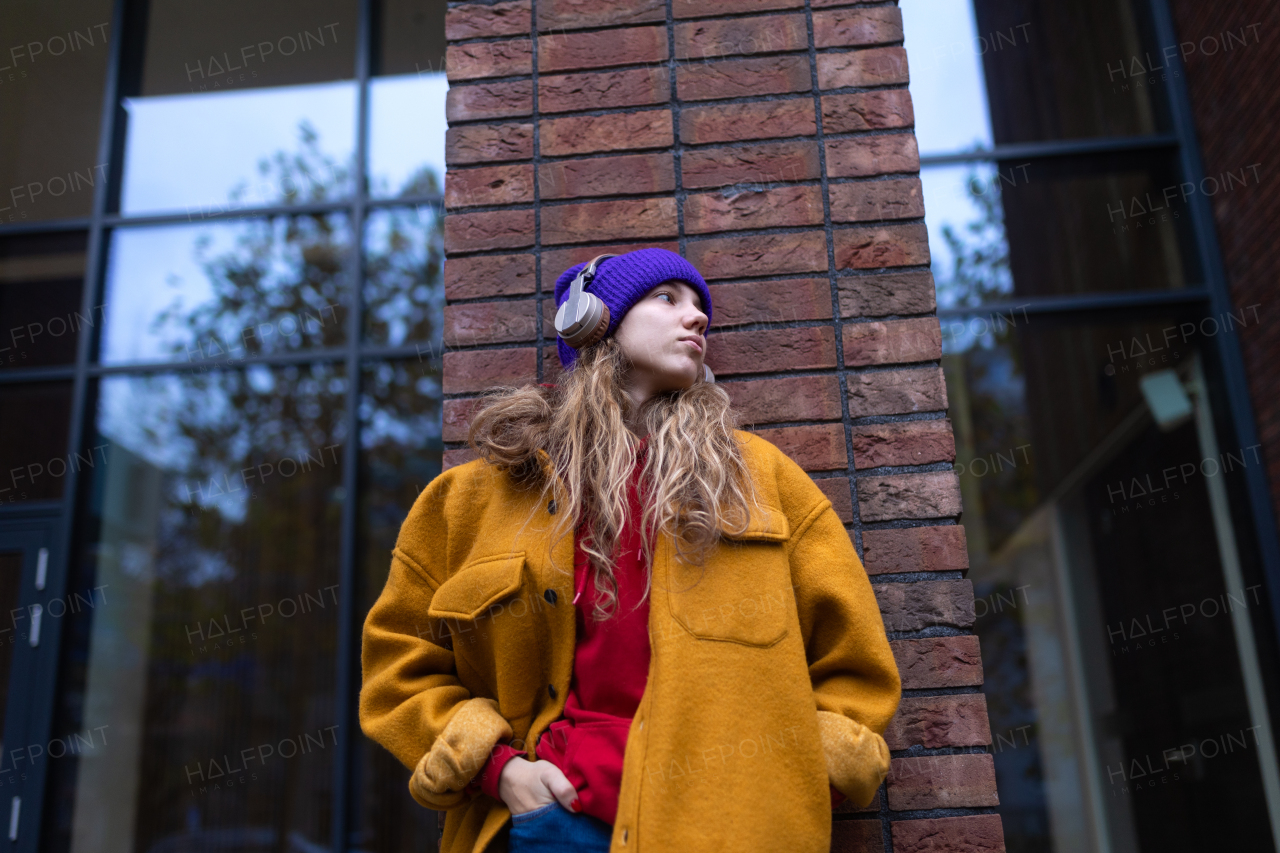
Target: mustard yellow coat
{"type": "Point", "coordinates": [770, 672]}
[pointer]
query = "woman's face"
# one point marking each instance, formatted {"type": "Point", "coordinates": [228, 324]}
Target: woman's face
{"type": "Point", "coordinates": [663, 335]}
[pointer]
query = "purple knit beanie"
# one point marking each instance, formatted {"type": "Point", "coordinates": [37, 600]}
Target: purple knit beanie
{"type": "Point", "coordinates": [621, 281]}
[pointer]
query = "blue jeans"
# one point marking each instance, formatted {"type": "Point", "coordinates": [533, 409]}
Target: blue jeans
{"type": "Point", "coordinates": [554, 828]}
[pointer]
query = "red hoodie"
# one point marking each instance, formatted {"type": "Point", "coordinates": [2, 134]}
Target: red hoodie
{"type": "Point", "coordinates": [610, 670]}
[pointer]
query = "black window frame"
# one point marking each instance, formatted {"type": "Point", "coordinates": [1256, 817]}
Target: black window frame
{"type": "Point", "coordinates": [125, 46]}
{"type": "Point", "coordinates": [1231, 402]}
{"type": "Point", "coordinates": [1249, 495]}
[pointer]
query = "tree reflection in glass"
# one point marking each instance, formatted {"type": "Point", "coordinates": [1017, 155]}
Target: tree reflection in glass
{"type": "Point", "coordinates": [211, 659]}
{"type": "Point", "coordinates": [986, 390]}
{"type": "Point", "coordinates": [976, 247]}
{"type": "Point", "coordinates": [214, 532]}
{"type": "Point", "coordinates": [404, 277]}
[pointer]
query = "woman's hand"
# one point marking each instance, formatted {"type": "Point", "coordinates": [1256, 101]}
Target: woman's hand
{"type": "Point", "coordinates": [525, 785]}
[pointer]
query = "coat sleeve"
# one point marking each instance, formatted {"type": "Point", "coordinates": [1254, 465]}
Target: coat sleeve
{"type": "Point", "coordinates": [411, 700]}
{"type": "Point", "coordinates": [855, 679]}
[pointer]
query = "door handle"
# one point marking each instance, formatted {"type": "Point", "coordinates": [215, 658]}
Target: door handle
{"type": "Point", "coordinates": [37, 614]}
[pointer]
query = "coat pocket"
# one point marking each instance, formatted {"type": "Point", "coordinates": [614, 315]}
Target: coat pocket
{"type": "Point", "coordinates": [478, 586]}
{"type": "Point", "coordinates": [743, 592]}
{"type": "Point", "coordinates": [485, 609]}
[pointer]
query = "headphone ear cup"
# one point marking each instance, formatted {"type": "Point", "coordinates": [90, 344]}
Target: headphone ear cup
{"type": "Point", "coordinates": [586, 337]}
{"type": "Point", "coordinates": [601, 327]}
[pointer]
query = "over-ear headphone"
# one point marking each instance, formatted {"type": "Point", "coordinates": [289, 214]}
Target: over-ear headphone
{"type": "Point", "coordinates": [583, 318]}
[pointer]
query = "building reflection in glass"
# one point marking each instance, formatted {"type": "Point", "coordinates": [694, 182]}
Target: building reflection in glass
{"type": "Point", "coordinates": [1058, 439]}
{"type": "Point", "coordinates": [214, 543]}
{"type": "Point", "coordinates": [400, 453]}
{"type": "Point", "coordinates": [1114, 605]}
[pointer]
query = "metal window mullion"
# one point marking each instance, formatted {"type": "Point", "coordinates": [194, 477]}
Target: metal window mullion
{"type": "Point", "coordinates": [1063, 304]}
{"type": "Point", "coordinates": [1054, 148]}
{"type": "Point", "coordinates": [135, 220]}
{"type": "Point", "coordinates": [1227, 345]}
{"type": "Point", "coordinates": [46, 226]}
{"type": "Point", "coordinates": [95, 270]}
{"type": "Point", "coordinates": [347, 657]}
{"type": "Point", "coordinates": [367, 353]}
{"type": "Point", "coordinates": [1078, 303]}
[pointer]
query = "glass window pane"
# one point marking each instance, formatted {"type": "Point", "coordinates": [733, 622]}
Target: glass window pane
{"type": "Point", "coordinates": [34, 421]}
{"type": "Point", "coordinates": [406, 100]}
{"type": "Point", "coordinates": [410, 36]}
{"type": "Point", "coordinates": [1078, 542]}
{"type": "Point", "coordinates": [400, 453]}
{"type": "Point", "coordinates": [226, 290]}
{"type": "Point", "coordinates": [242, 104]}
{"type": "Point", "coordinates": [947, 88]}
{"type": "Point", "coordinates": [41, 280]}
{"type": "Point", "coordinates": [52, 71]}
{"type": "Point", "coordinates": [406, 135]}
{"type": "Point", "coordinates": [404, 285]}
{"type": "Point", "coordinates": [968, 246]}
{"type": "Point", "coordinates": [997, 72]}
{"type": "Point", "coordinates": [1058, 226]}
{"type": "Point", "coordinates": [211, 535]}
{"type": "Point", "coordinates": [1062, 79]}
{"type": "Point", "coordinates": [207, 153]}
{"type": "Point", "coordinates": [206, 45]}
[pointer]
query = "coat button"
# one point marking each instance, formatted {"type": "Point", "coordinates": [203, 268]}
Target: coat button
{"type": "Point", "coordinates": [551, 688]}
{"type": "Point", "coordinates": [550, 595]}
{"type": "Point", "coordinates": [624, 836]}
{"type": "Point", "coordinates": [551, 507]}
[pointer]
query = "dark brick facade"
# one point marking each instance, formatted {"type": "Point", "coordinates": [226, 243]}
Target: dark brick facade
{"type": "Point", "coordinates": [1235, 102]}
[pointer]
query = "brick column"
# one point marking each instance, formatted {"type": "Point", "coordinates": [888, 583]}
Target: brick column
{"type": "Point", "coordinates": [770, 142]}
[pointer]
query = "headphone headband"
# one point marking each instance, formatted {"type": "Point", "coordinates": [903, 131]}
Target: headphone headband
{"type": "Point", "coordinates": [583, 278]}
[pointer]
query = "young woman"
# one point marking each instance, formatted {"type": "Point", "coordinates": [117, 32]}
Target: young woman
{"type": "Point", "coordinates": [628, 626]}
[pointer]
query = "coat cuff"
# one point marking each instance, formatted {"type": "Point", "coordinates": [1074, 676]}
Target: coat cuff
{"type": "Point", "coordinates": [461, 750]}
{"type": "Point", "coordinates": [857, 757]}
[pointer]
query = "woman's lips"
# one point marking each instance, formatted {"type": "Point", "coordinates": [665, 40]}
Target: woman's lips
{"type": "Point", "coordinates": [691, 343]}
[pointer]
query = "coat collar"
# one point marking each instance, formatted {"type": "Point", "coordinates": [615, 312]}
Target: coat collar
{"type": "Point", "coordinates": [766, 523]}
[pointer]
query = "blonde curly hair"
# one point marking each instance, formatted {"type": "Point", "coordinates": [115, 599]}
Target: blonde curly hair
{"type": "Point", "coordinates": [693, 483]}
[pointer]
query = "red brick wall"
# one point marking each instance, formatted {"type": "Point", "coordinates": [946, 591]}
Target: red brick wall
{"type": "Point", "coordinates": [1236, 103]}
{"type": "Point", "coordinates": [770, 142]}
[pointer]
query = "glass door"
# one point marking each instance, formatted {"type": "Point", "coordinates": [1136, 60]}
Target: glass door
{"type": "Point", "coordinates": [28, 653]}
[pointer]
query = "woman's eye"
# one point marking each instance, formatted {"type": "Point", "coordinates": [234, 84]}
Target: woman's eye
{"type": "Point", "coordinates": [664, 293]}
